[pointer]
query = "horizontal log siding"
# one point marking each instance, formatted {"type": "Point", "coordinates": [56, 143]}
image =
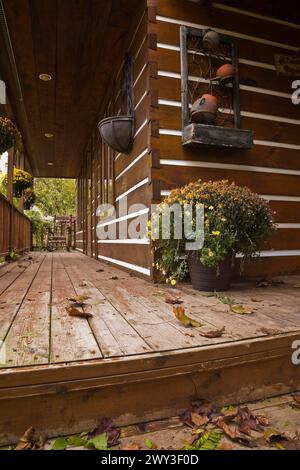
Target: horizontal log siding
{"type": "Point", "coordinates": [131, 176]}
{"type": "Point", "coordinates": [272, 167]}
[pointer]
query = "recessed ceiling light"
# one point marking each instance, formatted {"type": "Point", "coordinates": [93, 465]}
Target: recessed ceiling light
{"type": "Point", "coordinates": [50, 164]}
{"type": "Point", "coordinates": [48, 135]}
{"type": "Point", "coordinates": [45, 77]}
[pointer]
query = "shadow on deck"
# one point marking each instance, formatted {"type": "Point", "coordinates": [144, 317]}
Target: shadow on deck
{"type": "Point", "coordinates": [132, 360]}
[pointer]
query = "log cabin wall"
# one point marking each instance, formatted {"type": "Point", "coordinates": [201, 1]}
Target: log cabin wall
{"type": "Point", "coordinates": [272, 167]}
{"type": "Point", "coordinates": [107, 176]}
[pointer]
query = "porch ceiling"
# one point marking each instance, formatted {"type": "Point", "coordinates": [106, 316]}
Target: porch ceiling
{"type": "Point", "coordinates": [78, 43]}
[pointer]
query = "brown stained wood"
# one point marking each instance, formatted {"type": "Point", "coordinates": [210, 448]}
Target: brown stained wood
{"type": "Point", "coordinates": [27, 341]}
{"type": "Point", "coordinates": [76, 72]}
{"type": "Point", "coordinates": [251, 75]}
{"type": "Point", "coordinates": [258, 182]}
{"type": "Point", "coordinates": [214, 17]}
{"type": "Point", "coordinates": [170, 118]}
{"type": "Point", "coordinates": [113, 333]}
{"type": "Point", "coordinates": [271, 266]}
{"type": "Point", "coordinates": [140, 144]}
{"type": "Point", "coordinates": [139, 255]}
{"type": "Point", "coordinates": [13, 297]}
{"type": "Point", "coordinates": [169, 89]}
{"type": "Point", "coordinates": [71, 411]}
{"type": "Point", "coordinates": [71, 338]}
{"type": "Point", "coordinates": [130, 178]}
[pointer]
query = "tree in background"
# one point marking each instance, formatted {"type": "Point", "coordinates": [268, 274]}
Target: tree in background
{"type": "Point", "coordinates": [55, 196]}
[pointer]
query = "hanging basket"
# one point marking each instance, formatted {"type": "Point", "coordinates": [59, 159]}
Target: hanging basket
{"type": "Point", "coordinates": [118, 132]}
{"type": "Point", "coordinates": [9, 134]}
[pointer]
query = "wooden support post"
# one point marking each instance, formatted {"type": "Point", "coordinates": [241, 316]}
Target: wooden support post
{"type": "Point", "coordinates": [21, 166]}
{"type": "Point", "coordinates": [10, 174]}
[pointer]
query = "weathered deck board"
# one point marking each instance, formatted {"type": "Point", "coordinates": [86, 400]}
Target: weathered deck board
{"type": "Point", "coordinates": [71, 338]}
{"type": "Point", "coordinates": [27, 342]}
{"type": "Point", "coordinates": [11, 299]}
{"type": "Point", "coordinates": [130, 315]}
{"type": "Point", "coordinates": [114, 334]}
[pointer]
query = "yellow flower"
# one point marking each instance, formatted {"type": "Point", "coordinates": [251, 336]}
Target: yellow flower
{"type": "Point", "coordinates": [224, 219]}
{"type": "Point", "coordinates": [211, 208]}
{"type": "Point", "coordinates": [210, 253]}
{"type": "Point", "coordinates": [173, 282]}
{"type": "Point", "coordinates": [216, 233]}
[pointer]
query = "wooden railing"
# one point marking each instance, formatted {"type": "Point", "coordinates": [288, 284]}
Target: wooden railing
{"type": "Point", "coordinates": [15, 229]}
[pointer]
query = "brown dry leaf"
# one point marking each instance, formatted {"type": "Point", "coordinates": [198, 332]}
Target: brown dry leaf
{"type": "Point", "coordinates": [213, 333]}
{"type": "Point", "coordinates": [241, 309]}
{"type": "Point", "coordinates": [269, 282]}
{"type": "Point", "coordinates": [74, 312]}
{"type": "Point", "coordinates": [131, 447]}
{"type": "Point", "coordinates": [179, 313]}
{"type": "Point", "coordinates": [256, 300]}
{"type": "Point", "coordinates": [296, 397]}
{"type": "Point", "coordinates": [199, 420]}
{"type": "Point", "coordinates": [173, 300]}
{"type": "Point", "coordinates": [273, 436]}
{"type": "Point", "coordinates": [262, 420]}
{"type": "Point", "coordinates": [79, 300]}
{"type": "Point", "coordinates": [26, 442]}
{"type": "Point", "coordinates": [233, 434]}
{"type": "Point", "coordinates": [114, 278]}
{"type": "Point", "coordinates": [296, 286]}
{"type": "Point", "coordinates": [190, 334]}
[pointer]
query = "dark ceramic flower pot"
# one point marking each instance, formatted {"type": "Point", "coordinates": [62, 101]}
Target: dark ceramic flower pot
{"type": "Point", "coordinates": [207, 279]}
{"type": "Point", "coordinates": [205, 109]}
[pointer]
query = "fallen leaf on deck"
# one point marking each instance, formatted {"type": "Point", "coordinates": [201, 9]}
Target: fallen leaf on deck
{"type": "Point", "coordinates": [131, 447]}
{"type": "Point", "coordinates": [256, 300]}
{"type": "Point", "coordinates": [173, 300]}
{"type": "Point", "coordinates": [199, 420]}
{"type": "Point", "coordinates": [296, 286]}
{"type": "Point", "coordinates": [79, 300]}
{"type": "Point", "coordinates": [208, 441]}
{"type": "Point", "coordinates": [247, 421]}
{"type": "Point", "coordinates": [74, 312]}
{"type": "Point", "coordinates": [61, 443]}
{"type": "Point", "coordinates": [179, 313]}
{"type": "Point", "coordinates": [26, 442]}
{"type": "Point", "coordinates": [269, 283]}
{"type": "Point", "coordinates": [190, 334]}
{"type": "Point", "coordinates": [99, 442]}
{"type": "Point", "coordinates": [149, 444]}
{"type": "Point", "coordinates": [114, 278]}
{"type": "Point", "coordinates": [213, 333]}
{"type": "Point", "coordinates": [107, 427]}
{"type": "Point", "coordinates": [100, 271]}
{"type": "Point", "coordinates": [273, 436]}
{"type": "Point", "coordinates": [40, 444]}
{"type": "Point", "coordinates": [233, 434]}
{"type": "Point", "coordinates": [241, 309]}
{"type": "Point", "coordinates": [296, 397]}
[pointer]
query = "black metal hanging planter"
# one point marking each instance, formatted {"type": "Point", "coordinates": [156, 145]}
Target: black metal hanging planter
{"type": "Point", "coordinates": [118, 131]}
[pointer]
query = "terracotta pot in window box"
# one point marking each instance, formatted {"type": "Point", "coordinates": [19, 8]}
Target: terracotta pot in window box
{"type": "Point", "coordinates": [205, 109]}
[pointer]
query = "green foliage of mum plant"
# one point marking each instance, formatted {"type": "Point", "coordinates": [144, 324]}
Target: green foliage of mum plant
{"type": "Point", "coordinates": [236, 221]}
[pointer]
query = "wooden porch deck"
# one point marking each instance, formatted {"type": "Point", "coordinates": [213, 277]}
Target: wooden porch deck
{"type": "Point", "coordinates": [132, 360]}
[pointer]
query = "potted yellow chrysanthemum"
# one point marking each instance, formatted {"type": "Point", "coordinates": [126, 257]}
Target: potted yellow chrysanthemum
{"type": "Point", "coordinates": [236, 220]}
